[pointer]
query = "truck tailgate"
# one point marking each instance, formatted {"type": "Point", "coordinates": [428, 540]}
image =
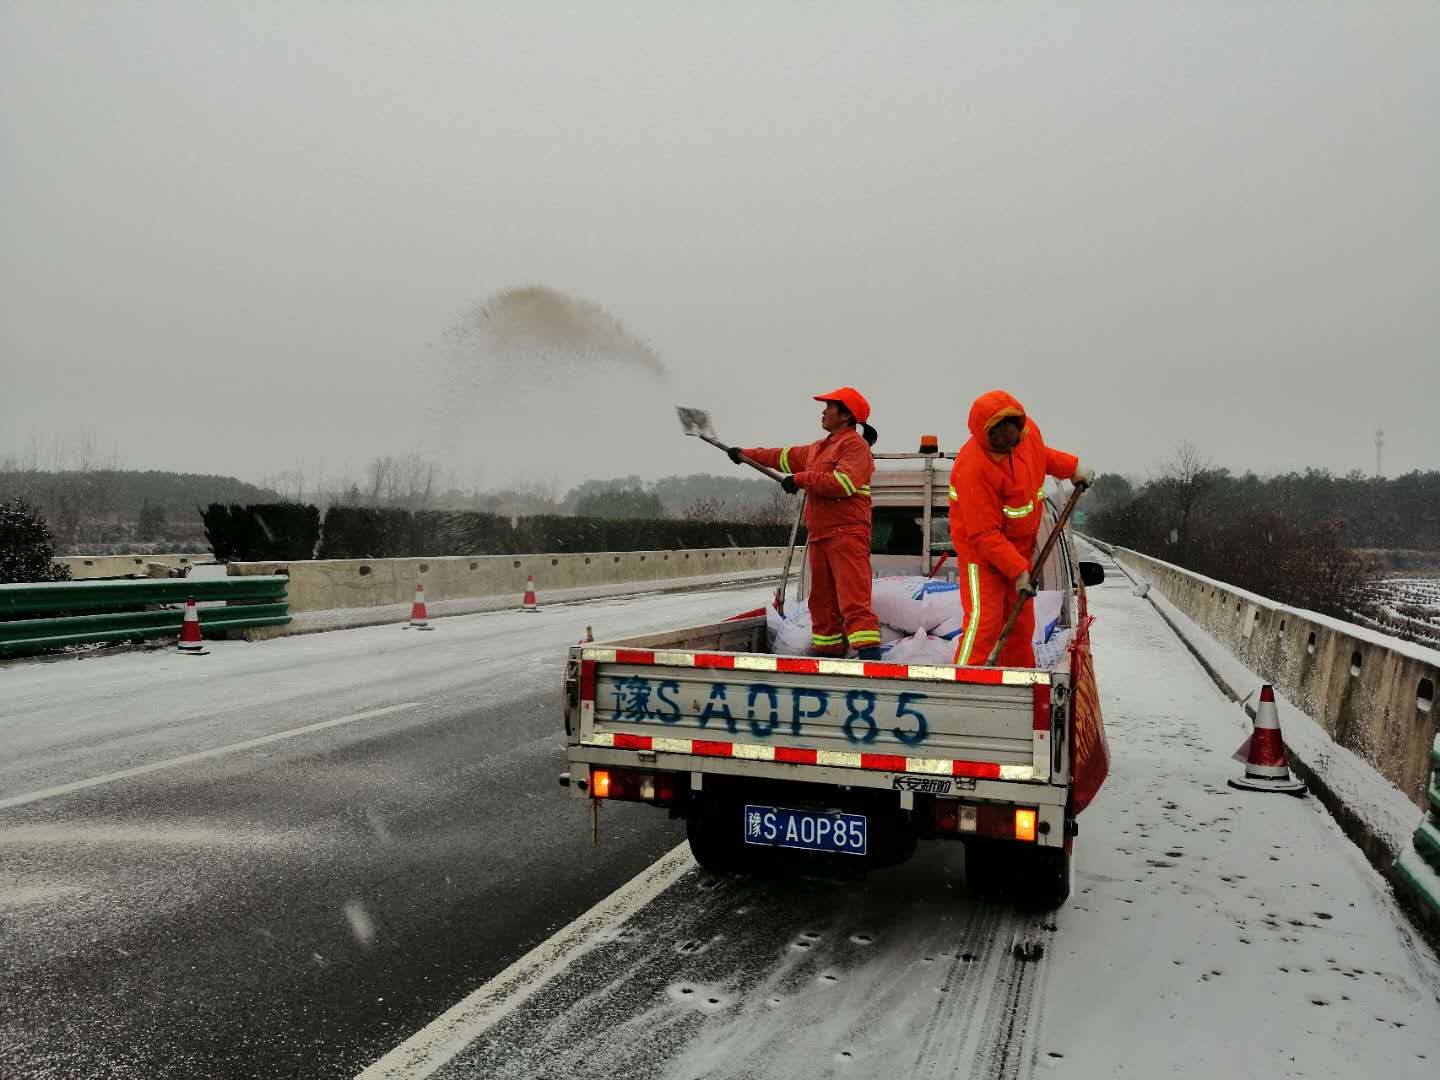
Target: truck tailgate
{"type": "Point", "coordinates": [981, 722]}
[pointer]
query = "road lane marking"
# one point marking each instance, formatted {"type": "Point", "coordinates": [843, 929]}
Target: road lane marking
{"type": "Point", "coordinates": [449, 1034]}
{"type": "Point", "coordinates": [202, 755]}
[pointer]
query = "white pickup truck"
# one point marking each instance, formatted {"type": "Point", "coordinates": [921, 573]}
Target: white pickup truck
{"type": "Point", "coordinates": [800, 758]}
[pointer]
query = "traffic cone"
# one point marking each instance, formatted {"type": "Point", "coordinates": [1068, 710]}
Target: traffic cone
{"type": "Point", "coordinates": [530, 603]}
{"type": "Point", "coordinates": [191, 643]}
{"type": "Point", "coordinates": [1266, 767]}
{"type": "Point", "coordinates": [419, 617]}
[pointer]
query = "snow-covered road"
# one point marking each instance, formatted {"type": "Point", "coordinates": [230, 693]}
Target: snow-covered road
{"type": "Point", "coordinates": [1212, 933]}
{"type": "Point", "coordinates": [73, 720]}
{"type": "Point", "coordinates": [236, 866]}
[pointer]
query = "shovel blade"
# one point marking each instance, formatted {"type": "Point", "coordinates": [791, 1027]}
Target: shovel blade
{"type": "Point", "coordinates": [695, 421]}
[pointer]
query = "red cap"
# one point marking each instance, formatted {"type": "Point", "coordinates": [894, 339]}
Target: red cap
{"type": "Point", "coordinates": [1267, 693]}
{"type": "Point", "coordinates": [852, 399]}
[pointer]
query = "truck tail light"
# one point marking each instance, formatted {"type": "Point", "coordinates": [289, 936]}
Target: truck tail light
{"type": "Point", "coordinates": [587, 680]}
{"type": "Point", "coordinates": [947, 815]}
{"type": "Point", "coordinates": [1024, 824]}
{"type": "Point", "coordinates": [632, 785]}
{"type": "Point", "coordinates": [952, 816]}
{"type": "Point", "coordinates": [1001, 821]}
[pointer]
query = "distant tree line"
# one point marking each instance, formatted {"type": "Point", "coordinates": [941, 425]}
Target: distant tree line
{"type": "Point", "coordinates": [1294, 538]}
{"type": "Point", "coordinates": [284, 532]}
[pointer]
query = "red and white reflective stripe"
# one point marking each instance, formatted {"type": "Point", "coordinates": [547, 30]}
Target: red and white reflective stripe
{"type": "Point", "coordinates": [803, 665]}
{"type": "Point", "coordinates": [839, 759]}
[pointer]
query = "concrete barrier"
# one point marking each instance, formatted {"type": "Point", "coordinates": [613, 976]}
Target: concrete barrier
{"type": "Point", "coordinates": [1372, 695]}
{"type": "Point", "coordinates": [367, 583]}
{"type": "Point", "coordinates": [84, 567]}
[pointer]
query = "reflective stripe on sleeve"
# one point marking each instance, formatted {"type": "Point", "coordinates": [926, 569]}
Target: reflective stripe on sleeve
{"type": "Point", "coordinates": [785, 460]}
{"type": "Point", "coordinates": [844, 482]}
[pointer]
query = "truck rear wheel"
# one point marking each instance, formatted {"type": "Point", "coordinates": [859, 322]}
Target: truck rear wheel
{"type": "Point", "coordinates": [714, 834]}
{"type": "Point", "coordinates": [1033, 878]}
{"type": "Point", "coordinates": [1040, 878]}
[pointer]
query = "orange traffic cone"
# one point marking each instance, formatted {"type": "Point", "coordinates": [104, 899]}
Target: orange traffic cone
{"type": "Point", "coordinates": [1266, 767]}
{"type": "Point", "coordinates": [530, 603]}
{"type": "Point", "coordinates": [419, 617]}
{"type": "Point", "coordinates": [191, 643]}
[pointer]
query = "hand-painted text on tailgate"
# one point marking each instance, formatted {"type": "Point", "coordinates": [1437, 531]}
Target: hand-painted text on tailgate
{"type": "Point", "coordinates": [762, 709]}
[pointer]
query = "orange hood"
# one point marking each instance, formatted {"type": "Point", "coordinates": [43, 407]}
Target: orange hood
{"type": "Point", "coordinates": [989, 409]}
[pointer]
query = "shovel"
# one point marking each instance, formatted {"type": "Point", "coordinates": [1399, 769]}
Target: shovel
{"type": "Point", "coordinates": [1035, 570]}
{"type": "Point", "coordinates": [697, 422]}
{"type": "Point", "coordinates": [789, 556]}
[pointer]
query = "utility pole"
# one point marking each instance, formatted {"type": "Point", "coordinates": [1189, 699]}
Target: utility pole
{"type": "Point", "coordinates": [1379, 447]}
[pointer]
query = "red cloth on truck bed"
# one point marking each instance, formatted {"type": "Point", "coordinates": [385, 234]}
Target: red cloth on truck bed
{"type": "Point", "coordinates": [1090, 756]}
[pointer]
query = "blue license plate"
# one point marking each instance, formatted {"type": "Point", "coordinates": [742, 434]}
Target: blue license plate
{"type": "Point", "coordinates": [808, 830]}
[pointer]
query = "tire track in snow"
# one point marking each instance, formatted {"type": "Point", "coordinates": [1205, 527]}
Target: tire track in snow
{"type": "Point", "coordinates": [1006, 1050]}
{"type": "Point", "coordinates": [948, 1030]}
{"type": "Point", "coordinates": [759, 978]}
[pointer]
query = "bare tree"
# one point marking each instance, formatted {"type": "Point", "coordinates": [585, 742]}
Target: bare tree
{"type": "Point", "coordinates": [406, 483]}
{"type": "Point", "coordinates": [1180, 485]}
{"type": "Point", "coordinates": [705, 508]}
{"type": "Point", "coordinates": [777, 508]}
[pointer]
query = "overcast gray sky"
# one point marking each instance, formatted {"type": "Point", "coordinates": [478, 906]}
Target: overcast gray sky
{"type": "Point", "coordinates": [232, 237]}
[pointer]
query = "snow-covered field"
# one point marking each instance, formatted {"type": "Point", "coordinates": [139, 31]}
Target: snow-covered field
{"type": "Point", "coordinates": [1408, 608]}
{"type": "Point", "coordinates": [1211, 933]}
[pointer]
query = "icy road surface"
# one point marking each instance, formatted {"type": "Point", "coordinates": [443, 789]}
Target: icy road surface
{"type": "Point", "coordinates": [283, 858]}
{"type": "Point", "coordinates": [1211, 933]}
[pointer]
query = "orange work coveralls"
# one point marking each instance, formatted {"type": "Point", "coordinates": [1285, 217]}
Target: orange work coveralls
{"type": "Point", "coordinates": [996, 504]}
{"type": "Point", "coordinates": [835, 476]}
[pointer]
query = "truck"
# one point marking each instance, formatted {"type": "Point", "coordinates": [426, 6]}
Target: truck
{"type": "Point", "coordinates": [847, 762]}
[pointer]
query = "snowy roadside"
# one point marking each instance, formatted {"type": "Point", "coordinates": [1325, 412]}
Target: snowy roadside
{"type": "Point", "coordinates": [1216, 932]}
{"type": "Point", "coordinates": [1377, 817]}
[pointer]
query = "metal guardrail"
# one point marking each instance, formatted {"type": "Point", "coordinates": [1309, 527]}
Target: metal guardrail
{"type": "Point", "coordinates": [1425, 850]}
{"type": "Point", "coordinates": [39, 616]}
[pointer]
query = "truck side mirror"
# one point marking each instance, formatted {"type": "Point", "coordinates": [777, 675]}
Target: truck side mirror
{"type": "Point", "coordinates": [1092, 573]}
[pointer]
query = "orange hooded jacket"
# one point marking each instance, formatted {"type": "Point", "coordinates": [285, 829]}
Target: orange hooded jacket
{"type": "Point", "coordinates": [835, 472]}
{"type": "Point", "coordinates": [996, 499]}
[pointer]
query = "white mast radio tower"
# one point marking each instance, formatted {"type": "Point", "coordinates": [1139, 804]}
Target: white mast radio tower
{"type": "Point", "coordinates": [1379, 447]}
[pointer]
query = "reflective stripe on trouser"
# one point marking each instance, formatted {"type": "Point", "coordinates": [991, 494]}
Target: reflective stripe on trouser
{"type": "Point", "coordinates": [840, 593]}
{"type": "Point", "coordinates": [989, 598]}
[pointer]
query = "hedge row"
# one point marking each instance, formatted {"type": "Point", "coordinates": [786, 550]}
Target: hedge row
{"type": "Point", "coordinates": [286, 531]}
{"type": "Point", "coordinates": [264, 532]}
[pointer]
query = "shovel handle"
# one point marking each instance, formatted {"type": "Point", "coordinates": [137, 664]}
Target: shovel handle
{"type": "Point", "coordinates": [789, 557]}
{"type": "Point", "coordinates": [1045, 550]}
{"type": "Point", "coordinates": [771, 473]}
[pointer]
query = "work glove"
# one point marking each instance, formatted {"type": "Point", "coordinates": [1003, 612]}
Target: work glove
{"type": "Point", "coordinates": [1083, 477]}
{"type": "Point", "coordinates": [734, 452]}
{"type": "Point", "coordinates": [789, 484]}
{"type": "Point", "coordinates": [1024, 586]}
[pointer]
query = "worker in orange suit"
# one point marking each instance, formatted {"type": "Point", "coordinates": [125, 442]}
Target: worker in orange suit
{"type": "Point", "coordinates": [997, 496]}
{"type": "Point", "coordinates": [835, 475]}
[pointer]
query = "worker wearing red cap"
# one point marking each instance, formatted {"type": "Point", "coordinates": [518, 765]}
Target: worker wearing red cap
{"type": "Point", "coordinates": [835, 474]}
{"type": "Point", "coordinates": [997, 496]}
